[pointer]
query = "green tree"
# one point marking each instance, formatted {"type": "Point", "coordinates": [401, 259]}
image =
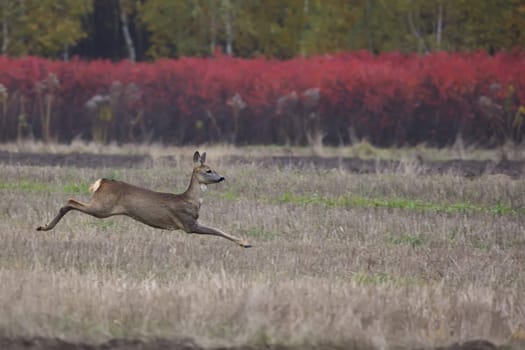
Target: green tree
{"type": "Point", "coordinates": [429, 25]}
{"type": "Point", "coordinates": [328, 26]}
{"type": "Point", "coordinates": [515, 24]}
{"type": "Point", "coordinates": [478, 24]}
{"type": "Point", "coordinates": [247, 28]}
{"type": "Point", "coordinates": [42, 27]}
{"type": "Point", "coordinates": [271, 28]}
{"type": "Point", "coordinates": [178, 28]}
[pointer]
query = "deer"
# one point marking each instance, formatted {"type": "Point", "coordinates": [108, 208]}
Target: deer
{"type": "Point", "coordinates": [160, 210]}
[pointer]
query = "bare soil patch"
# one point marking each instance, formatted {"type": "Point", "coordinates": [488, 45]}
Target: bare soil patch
{"type": "Point", "coordinates": [467, 168]}
{"type": "Point", "coordinates": [186, 344]}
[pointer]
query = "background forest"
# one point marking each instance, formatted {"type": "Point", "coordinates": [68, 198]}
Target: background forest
{"type": "Point", "coordinates": [150, 29]}
{"type": "Point", "coordinates": [397, 72]}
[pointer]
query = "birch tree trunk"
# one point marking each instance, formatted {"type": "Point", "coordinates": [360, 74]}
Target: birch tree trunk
{"type": "Point", "coordinates": [306, 10]}
{"type": "Point", "coordinates": [125, 31]}
{"type": "Point", "coordinates": [213, 27]}
{"type": "Point", "coordinates": [439, 27]}
{"type": "Point", "coordinates": [65, 53]}
{"type": "Point", "coordinates": [368, 10]}
{"type": "Point", "coordinates": [421, 42]}
{"type": "Point", "coordinates": [228, 27]}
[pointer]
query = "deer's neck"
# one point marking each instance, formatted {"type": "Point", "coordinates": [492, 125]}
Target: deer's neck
{"type": "Point", "coordinates": [193, 191]}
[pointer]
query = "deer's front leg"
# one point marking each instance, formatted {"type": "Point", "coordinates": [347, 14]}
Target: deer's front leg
{"type": "Point", "coordinates": [203, 230]}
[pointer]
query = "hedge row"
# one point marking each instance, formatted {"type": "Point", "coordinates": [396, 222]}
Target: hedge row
{"type": "Point", "coordinates": [391, 99]}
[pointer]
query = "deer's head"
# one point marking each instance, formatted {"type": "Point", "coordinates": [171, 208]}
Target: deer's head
{"type": "Point", "coordinates": [204, 174]}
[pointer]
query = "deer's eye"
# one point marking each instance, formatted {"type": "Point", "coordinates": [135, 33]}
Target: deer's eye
{"type": "Point", "coordinates": [208, 171]}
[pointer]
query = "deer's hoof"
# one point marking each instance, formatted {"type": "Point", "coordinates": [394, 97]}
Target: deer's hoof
{"type": "Point", "coordinates": [40, 228]}
{"type": "Point", "coordinates": [245, 245]}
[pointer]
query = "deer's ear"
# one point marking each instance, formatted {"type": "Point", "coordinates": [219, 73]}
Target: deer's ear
{"type": "Point", "coordinates": [196, 157]}
{"type": "Point", "coordinates": [203, 157]}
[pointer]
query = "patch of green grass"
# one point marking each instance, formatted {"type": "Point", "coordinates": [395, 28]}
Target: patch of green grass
{"type": "Point", "coordinates": [24, 186]}
{"type": "Point", "coordinates": [32, 186]}
{"type": "Point", "coordinates": [482, 245]}
{"type": "Point", "coordinates": [396, 203]}
{"type": "Point", "coordinates": [378, 278]}
{"type": "Point", "coordinates": [112, 175]}
{"type": "Point", "coordinates": [74, 188]}
{"type": "Point", "coordinates": [115, 327]}
{"type": "Point", "coordinates": [502, 209]}
{"type": "Point", "coordinates": [102, 224]}
{"type": "Point", "coordinates": [74, 324]}
{"type": "Point", "coordinates": [408, 239]}
{"type": "Point", "coordinates": [257, 232]}
{"type": "Point", "coordinates": [230, 195]}
{"type": "Point", "coordinates": [452, 237]}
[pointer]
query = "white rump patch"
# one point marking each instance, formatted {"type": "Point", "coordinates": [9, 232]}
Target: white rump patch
{"type": "Point", "coordinates": [94, 187]}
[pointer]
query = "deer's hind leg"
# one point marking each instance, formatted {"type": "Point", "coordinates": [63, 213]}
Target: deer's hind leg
{"type": "Point", "coordinates": [72, 204]}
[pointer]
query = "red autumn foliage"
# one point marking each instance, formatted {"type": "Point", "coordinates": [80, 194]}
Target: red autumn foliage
{"type": "Point", "coordinates": [390, 99]}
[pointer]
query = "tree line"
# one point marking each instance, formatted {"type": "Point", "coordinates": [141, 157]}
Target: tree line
{"type": "Point", "coordinates": [141, 30]}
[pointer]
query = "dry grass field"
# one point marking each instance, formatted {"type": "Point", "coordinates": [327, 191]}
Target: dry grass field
{"type": "Point", "coordinates": [391, 260]}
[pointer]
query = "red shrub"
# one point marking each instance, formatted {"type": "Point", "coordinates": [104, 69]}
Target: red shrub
{"type": "Point", "coordinates": [389, 99]}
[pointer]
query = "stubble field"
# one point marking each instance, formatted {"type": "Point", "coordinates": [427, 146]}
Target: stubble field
{"type": "Point", "coordinates": [393, 259]}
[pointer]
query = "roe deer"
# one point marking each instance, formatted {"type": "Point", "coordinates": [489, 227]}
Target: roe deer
{"type": "Point", "coordinates": [160, 210]}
